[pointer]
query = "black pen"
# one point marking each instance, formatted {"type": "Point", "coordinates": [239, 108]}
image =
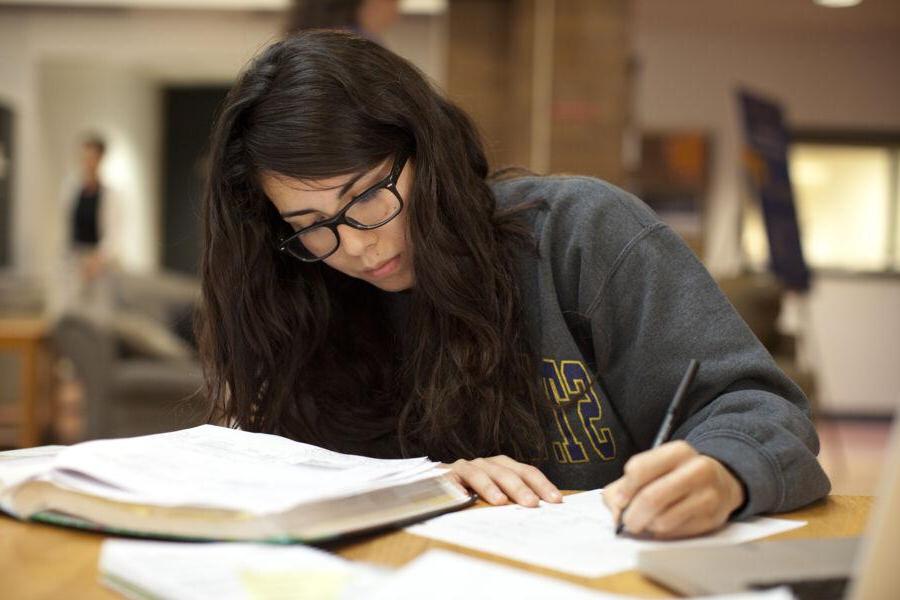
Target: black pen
{"type": "Point", "coordinates": [665, 430]}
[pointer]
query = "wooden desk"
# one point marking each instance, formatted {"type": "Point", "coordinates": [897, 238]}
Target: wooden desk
{"type": "Point", "coordinates": [31, 413]}
{"type": "Point", "coordinates": [47, 562]}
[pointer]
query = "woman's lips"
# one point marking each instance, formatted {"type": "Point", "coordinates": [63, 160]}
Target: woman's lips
{"type": "Point", "coordinates": [386, 268]}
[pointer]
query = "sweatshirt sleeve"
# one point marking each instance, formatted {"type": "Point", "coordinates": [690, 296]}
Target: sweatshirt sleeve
{"type": "Point", "coordinates": [657, 308]}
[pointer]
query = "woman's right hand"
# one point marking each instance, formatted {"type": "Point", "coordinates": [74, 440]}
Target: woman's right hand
{"type": "Point", "coordinates": [500, 479]}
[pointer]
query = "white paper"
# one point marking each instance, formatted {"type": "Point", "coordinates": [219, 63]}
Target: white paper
{"type": "Point", "coordinates": [18, 465]}
{"type": "Point", "coordinates": [576, 536]}
{"type": "Point", "coordinates": [230, 571]}
{"type": "Point", "coordinates": [443, 575]}
{"type": "Point", "coordinates": [239, 571]}
{"type": "Point", "coordinates": [225, 468]}
{"type": "Point", "coordinates": [779, 593]}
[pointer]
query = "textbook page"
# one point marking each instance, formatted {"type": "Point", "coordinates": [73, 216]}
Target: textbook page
{"type": "Point", "coordinates": [576, 536]}
{"type": "Point", "coordinates": [17, 466]}
{"type": "Point", "coordinates": [484, 579]}
{"type": "Point", "coordinates": [230, 571]}
{"type": "Point", "coordinates": [219, 467]}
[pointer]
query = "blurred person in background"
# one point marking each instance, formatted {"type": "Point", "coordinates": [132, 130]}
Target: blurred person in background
{"type": "Point", "coordinates": [87, 261]}
{"type": "Point", "coordinates": [369, 18]}
{"type": "Point", "coordinates": [89, 254]}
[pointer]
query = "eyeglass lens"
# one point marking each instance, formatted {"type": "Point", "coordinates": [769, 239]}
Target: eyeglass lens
{"type": "Point", "coordinates": [375, 209]}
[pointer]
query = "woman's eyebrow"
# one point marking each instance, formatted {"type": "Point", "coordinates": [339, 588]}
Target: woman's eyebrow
{"type": "Point", "coordinates": [379, 175]}
{"type": "Point", "coordinates": [351, 182]}
{"type": "Point", "coordinates": [296, 213]}
{"type": "Point", "coordinates": [341, 193]}
{"type": "Point", "coordinates": [344, 188]}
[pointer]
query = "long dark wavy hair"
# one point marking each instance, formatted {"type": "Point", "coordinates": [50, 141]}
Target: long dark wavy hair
{"type": "Point", "coordinates": [304, 351]}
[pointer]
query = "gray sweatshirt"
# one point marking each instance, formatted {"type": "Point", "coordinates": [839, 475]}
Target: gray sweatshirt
{"type": "Point", "coordinates": [617, 305]}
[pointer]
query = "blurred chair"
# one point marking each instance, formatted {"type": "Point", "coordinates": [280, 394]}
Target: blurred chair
{"type": "Point", "coordinates": [24, 365]}
{"type": "Point", "coordinates": [138, 375]}
{"type": "Point", "coordinates": [20, 296]}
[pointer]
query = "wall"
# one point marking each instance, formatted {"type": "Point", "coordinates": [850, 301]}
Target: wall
{"type": "Point", "coordinates": [422, 39]}
{"type": "Point", "coordinates": [856, 329]}
{"type": "Point", "coordinates": [827, 75]}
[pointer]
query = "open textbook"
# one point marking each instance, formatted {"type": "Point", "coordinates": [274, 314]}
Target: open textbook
{"type": "Point", "coordinates": [217, 483]}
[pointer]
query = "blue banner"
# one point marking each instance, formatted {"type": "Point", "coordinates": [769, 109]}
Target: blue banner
{"type": "Point", "coordinates": [766, 165]}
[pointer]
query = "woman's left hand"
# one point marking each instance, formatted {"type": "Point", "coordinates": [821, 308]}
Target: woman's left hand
{"type": "Point", "coordinates": [499, 479]}
{"type": "Point", "coordinates": [673, 491]}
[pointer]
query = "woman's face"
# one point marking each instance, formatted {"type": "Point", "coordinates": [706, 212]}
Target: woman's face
{"type": "Point", "coordinates": [381, 256]}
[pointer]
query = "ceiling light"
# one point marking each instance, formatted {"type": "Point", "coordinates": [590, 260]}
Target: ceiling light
{"type": "Point", "coordinates": [837, 3]}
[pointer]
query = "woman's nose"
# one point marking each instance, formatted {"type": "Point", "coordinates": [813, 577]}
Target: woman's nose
{"type": "Point", "coordinates": [355, 241]}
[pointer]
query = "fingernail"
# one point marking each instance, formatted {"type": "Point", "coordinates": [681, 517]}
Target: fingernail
{"type": "Point", "coordinates": [556, 497]}
{"type": "Point", "coordinates": [497, 497]}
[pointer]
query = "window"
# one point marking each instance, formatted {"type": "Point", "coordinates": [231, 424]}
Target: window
{"type": "Point", "coordinates": [848, 205]}
{"type": "Point", "coordinates": [896, 210]}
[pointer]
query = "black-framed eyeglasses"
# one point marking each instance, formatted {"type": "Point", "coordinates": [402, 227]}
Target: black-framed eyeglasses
{"type": "Point", "coordinates": [371, 209]}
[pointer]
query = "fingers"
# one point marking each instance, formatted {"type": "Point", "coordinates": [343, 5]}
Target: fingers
{"type": "Point", "coordinates": [655, 497]}
{"type": "Point", "coordinates": [693, 498]}
{"type": "Point", "coordinates": [614, 499]}
{"type": "Point", "coordinates": [692, 515]}
{"type": "Point", "coordinates": [648, 466]}
{"type": "Point", "coordinates": [456, 479]}
{"type": "Point", "coordinates": [500, 479]}
{"type": "Point", "coordinates": [479, 481]}
{"type": "Point", "coordinates": [533, 477]}
{"type": "Point", "coordinates": [643, 468]}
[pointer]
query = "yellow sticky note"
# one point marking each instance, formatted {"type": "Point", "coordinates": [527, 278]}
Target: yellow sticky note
{"type": "Point", "coordinates": [293, 585]}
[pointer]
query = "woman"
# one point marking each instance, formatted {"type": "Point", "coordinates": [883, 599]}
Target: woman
{"type": "Point", "coordinates": [368, 289]}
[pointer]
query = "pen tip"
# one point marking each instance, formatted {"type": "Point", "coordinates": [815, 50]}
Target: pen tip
{"type": "Point", "coordinates": [620, 528]}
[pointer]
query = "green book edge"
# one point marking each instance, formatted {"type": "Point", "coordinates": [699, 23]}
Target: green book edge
{"type": "Point", "coordinates": [66, 520]}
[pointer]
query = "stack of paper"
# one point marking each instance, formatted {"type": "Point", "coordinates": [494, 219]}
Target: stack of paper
{"type": "Point", "coordinates": [168, 570]}
{"type": "Point", "coordinates": [576, 536]}
{"type": "Point", "coordinates": [237, 571]}
{"type": "Point", "coordinates": [225, 468]}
